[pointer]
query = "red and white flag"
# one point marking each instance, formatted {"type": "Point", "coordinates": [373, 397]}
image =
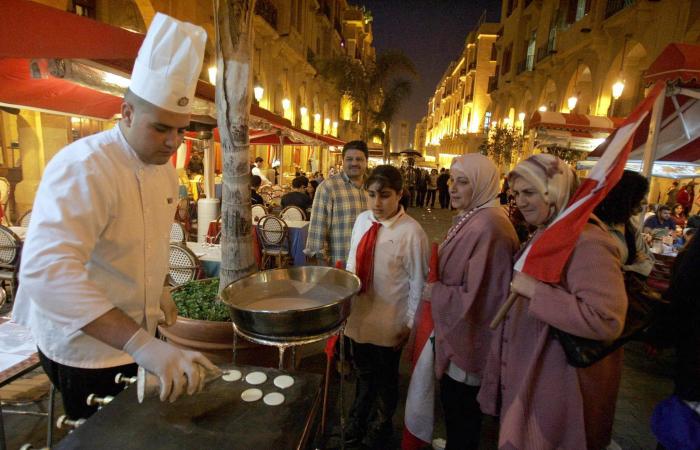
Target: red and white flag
{"type": "Point", "coordinates": [545, 258]}
{"type": "Point", "coordinates": [420, 400]}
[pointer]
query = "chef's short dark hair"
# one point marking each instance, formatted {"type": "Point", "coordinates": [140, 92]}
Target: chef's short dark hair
{"type": "Point", "coordinates": [299, 182]}
{"type": "Point", "coordinates": [385, 176]}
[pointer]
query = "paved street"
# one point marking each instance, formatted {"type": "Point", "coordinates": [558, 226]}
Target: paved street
{"type": "Point", "coordinates": [644, 383]}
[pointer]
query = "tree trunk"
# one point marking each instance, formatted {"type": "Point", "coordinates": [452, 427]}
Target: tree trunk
{"type": "Point", "coordinates": [234, 41]}
{"type": "Point", "coordinates": [387, 142]}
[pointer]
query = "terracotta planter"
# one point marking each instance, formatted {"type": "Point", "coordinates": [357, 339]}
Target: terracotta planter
{"type": "Point", "coordinates": [215, 341]}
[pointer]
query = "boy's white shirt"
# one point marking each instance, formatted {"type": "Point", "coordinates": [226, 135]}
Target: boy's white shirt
{"type": "Point", "coordinates": [400, 270]}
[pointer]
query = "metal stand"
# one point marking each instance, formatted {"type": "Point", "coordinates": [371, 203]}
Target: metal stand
{"type": "Point", "coordinates": [293, 343]}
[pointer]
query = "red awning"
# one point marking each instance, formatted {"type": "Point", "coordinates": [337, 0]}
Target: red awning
{"type": "Point", "coordinates": [575, 131]}
{"type": "Point", "coordinates": [52, 94]}
{"type": "Point", "coordinates": [676, 63]}
{"type": "Point", "coordinates": [32, 30]}
{"type": "Point", "coordinates": [580, 123]}
{"type": "Point", "coordinates": [678, 138]}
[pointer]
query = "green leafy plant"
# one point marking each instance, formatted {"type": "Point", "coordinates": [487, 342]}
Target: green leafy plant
{"type": "Point", "coordinates": [502, 145]}
{"type": "Point", "coordinates": [199, 300]}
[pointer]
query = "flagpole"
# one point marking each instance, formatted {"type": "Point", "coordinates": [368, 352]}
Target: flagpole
{"type": "Point", "coordinates": [503, 310]}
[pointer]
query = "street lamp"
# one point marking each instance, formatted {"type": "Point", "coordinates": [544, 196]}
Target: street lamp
{"type": "Point", "coordinates": [542, 108]}
{"type": "Point", "coordinates": [617, 89]}
{"type": "Point", "coordinates": [304, 111]}
{"type": "Point", "coordinates": [286, 104]}
{"type": "Point", "coordinates": [571, 102]}
{"type": "Point", "coordinates": [212, 74]}
{"type": "Point", "coordinates": [521, 117]}
{"type": "Point", "coordinates": [258, 92]}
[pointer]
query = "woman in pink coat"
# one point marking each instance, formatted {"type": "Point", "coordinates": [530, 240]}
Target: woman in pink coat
{"type": "Point", "coordinates": [543, 402]}
{"type": "Point", "coordinates": [476, 260]}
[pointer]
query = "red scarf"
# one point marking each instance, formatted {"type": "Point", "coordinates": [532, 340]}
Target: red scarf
{"type": "Point", "coordinates": [364, 259]}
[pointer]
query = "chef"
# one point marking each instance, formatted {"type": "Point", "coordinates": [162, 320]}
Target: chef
{"type": "Point", "coordinates": [95, 259]}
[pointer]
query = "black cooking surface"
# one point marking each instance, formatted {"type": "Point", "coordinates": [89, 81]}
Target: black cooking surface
{"type": "Point", "coordinates": [216, 418]}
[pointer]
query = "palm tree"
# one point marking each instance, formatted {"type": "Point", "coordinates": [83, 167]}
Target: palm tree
{"type": "Point", "coordinates": [375, 88]}
{"type": "Point", "coordinates": [234, 42]}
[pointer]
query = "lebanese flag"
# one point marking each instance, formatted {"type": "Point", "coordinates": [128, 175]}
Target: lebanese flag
{"type": "Point", "coordinates": [545, 258]}
{"type": "Point", "coordinates": [420, 400]}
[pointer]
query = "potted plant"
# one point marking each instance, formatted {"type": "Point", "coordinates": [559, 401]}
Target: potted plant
{"type": "Point", "coordinates": [204, 324]}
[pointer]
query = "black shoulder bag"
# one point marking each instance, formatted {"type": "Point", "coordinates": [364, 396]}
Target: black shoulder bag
{"type": "Point", "coordinates": [643, 304]}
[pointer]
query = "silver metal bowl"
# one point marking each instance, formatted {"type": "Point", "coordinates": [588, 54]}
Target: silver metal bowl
{"type": "Point", "coordinates": [285, 305]}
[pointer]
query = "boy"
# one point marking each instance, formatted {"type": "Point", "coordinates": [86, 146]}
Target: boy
{"type": "Point", "coordinates": [389, 252]}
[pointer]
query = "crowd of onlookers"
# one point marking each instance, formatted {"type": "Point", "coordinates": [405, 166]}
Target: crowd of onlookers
{"type": "Point", "coordinates": [520, 371]}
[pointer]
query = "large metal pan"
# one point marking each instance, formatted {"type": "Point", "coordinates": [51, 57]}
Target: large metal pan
{"type": "Point", "coordinates": [286, 305]}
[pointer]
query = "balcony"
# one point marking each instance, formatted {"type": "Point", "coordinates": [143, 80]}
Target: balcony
{"type": "Point", "coordinates": [613, 7]}
{"type": "Point", "coordinates": [267, 10]}
{"type": "Point", "coordinates": [493, 84]}
{"type": "Point", "coordinates": [526, 65]}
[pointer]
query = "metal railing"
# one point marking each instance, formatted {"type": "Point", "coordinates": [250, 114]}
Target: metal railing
{"type": "Point", "coordinates": [268, 11]}
{"type": "Point", "coordinates": [493, 84]}
{"type": "Point", "coordinates": [613, 7]}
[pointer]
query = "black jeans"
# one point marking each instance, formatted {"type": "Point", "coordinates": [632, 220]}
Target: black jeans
{"type": "Point", "coordinates": [462, 414]}
{"type": "Point", "coordinates": [430, 199]}
{"type": "Point", "coordinates": [420, 198]}
{"type": "Point", "coordinates": [444, 198]}
{"type": "Point", "coordinates": [377, 385]}
{"type": "Point", "coordinates": [75, 384]}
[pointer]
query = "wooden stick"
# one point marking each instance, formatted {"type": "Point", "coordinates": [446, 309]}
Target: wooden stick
{"type": "Point", "coordinates": [503, 310]}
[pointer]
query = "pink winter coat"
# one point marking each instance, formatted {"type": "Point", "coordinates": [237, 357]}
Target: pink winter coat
{"type": "Point", "coordinates": [475, 272]}
{"type": "Point", "coordinates": [543, 402]}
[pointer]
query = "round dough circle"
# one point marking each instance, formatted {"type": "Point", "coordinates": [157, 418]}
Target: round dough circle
{"type": "Point", "coordinates": [273, 399]}
{"type": "Point", "coordinates": [283, 381]}
{"type": "Point", "coordinates": [256, 378]}
{"type": "Point", "coordinates": [232, 375]}
{"type": "Point", "coordinates": [251, 395]}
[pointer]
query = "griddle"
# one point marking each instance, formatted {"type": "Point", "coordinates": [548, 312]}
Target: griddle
{"type": "Point", "coordinates": [216, 418]}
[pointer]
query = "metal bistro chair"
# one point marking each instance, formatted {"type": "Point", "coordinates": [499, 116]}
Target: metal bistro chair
{"type": "Point", "coordinates": [177, 232]}
{"type": "Point", "coordinates": [10, 251]}
{"type": "Point", "coordinates": [24, 219]}
{"type": "Point", "coordinates": [259, 211]}
{"type": "Point", "coordinates": [4, 200]}
{"type": "Point", "coordinates": [184, 265]}
{"type": "Point", "coordinates": [293, 213]}
{"type": "Point", "coordinates": [182, 215]}
{"type": "Point", "coordinates": [274, 236]}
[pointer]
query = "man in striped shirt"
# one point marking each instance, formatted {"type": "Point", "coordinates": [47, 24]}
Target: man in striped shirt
{"type": "Point", "coordinates": [338, 202]}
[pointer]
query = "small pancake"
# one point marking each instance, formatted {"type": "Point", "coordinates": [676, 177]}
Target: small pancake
{"type": "Point", "coordinates": [283, 381]}
{"type": "Point", "coordinates": [251, 395]}
{"type": "Point", "coordinates": [232, 375]}
{"type": "Point", "coordinates": [255, 378]}
{"type": "Point", "coordinates": [273, 399]}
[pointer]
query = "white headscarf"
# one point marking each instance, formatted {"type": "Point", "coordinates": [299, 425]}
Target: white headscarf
{"type": "Point", "coordinates": [555, 180]}
{"type": "Point", "coordinates": [482, 174]}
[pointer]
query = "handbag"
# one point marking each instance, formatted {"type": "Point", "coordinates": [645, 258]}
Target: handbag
{"type": "Point", "coordinates": [643, 305]}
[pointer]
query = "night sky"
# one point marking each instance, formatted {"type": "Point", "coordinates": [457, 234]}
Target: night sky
{"type": "Point", "coordinates": [431, 33]}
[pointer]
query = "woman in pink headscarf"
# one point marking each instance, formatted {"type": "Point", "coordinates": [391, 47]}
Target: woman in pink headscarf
{"type": "Point", "coordinates": [543, 402]}
{"type": "Point", "coordinates": [476, 261]}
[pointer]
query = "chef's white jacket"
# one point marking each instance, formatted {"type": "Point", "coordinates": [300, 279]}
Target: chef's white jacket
{"type": "Point", "coordinates": [98, 239]}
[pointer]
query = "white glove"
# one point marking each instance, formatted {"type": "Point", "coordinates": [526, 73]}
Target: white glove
{"type": "Point", "coordinates": [169, 308]}
{"type": "Point", "coordinates": [174, 368]}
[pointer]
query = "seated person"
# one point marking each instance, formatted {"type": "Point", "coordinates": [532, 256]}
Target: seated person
{"type": "Point", "coordinates": [662, 219]}
{"type": "Point", "coordinates": [298, 197]}
{"type": "Point", "coordinates": [255, 198]}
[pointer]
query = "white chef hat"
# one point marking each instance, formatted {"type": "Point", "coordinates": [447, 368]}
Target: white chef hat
{"type": "Point", "coordinates": [168, 65]}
